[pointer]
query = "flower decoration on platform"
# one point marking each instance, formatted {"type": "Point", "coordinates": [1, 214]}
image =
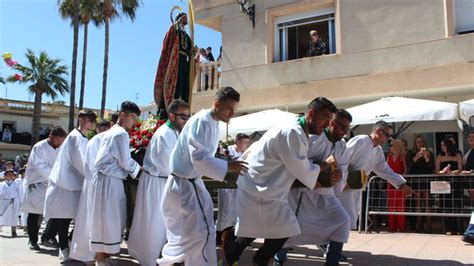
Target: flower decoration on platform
{"type": "Point", "coordinates": [142, 132]}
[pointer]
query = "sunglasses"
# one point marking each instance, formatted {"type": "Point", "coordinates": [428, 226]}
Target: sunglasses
{"type": "Point", "coordinates": [183, 116]}
{"type": "Point", "coordinates": [388, 136]}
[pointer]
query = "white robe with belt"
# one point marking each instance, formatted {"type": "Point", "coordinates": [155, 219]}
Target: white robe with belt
{"type": "Point", "coordinates": [10, 202]}
{"type": "Point", "coordinates": [227, 215]}
{"type": "Point", "coordinates": [187, 205]}
{"type": "Point", "coordinates": [40, 163]}
{"type": "Point", "coordinates": [275, 162]}
{"type": "Point", "coordinates": [363, 155]}
{"type": "Point", "coordinates": [148, 232]}
{"type": "Point", "coordinates": [66, 178]}
{"type": "Point", "coordinates": [321, 216]}
{"type": "Point", "coordinates": [108, 202]}
{"type": "Point", "coordinates": [80, 248]}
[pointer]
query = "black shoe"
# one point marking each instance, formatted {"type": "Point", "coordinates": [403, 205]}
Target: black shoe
{"type": "Point", "coordinates": [14, 234]}
{"type": "Point", "coordinates": [51, 242]}
{"type": "Point", "coordinates": [468, 238]}
{"type": "Point", "coordinates": [34, 247]}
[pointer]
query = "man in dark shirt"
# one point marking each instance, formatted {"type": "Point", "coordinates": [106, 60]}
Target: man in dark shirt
{"type": "Point", "coordinates": [316, 46]}
{"type": "Point", "coordinates": [468, 166]}
{"type": "Point", "coordinates": [210, 57]}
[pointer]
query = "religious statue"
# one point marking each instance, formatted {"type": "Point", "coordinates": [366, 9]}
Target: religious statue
{"type": "Point", "coordinates": [173, 79]}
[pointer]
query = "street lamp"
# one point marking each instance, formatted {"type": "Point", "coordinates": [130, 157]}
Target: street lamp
{"type": "Point", "coordinates": [249, 9]}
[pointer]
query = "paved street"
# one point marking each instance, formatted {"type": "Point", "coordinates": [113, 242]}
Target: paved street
{"type": "Point", "coordinates": [363, 249]}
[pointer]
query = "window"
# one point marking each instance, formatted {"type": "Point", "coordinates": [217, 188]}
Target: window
{"type": "Point", "coordinates": [464, 16]}
{"type": "Point", "coordinates": [292, 33]}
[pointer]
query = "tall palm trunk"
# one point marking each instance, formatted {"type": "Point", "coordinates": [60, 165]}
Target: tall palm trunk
{"type": "Point", "coordinates": [84, 59]}
{"type": "Point", "coordinates": [106, 65]}
{"type": "Point", "coordinates": [74, 65]}
{"type": "Point", "coordinates": [36, 117]}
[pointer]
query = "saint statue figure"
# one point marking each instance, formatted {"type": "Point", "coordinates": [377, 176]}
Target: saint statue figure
{"type": "Point", "coordinates": [172, 79]}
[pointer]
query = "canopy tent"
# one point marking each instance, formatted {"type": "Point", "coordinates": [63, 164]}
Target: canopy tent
{"type": "Point", "coordinates": [255, 122]}
{"type": "Point", "coordinates": [407, 115]}
{"type": "Point", "coordinates": [466, 111]}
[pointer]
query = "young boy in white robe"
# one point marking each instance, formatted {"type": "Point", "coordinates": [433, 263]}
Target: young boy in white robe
{"type": "Point", "coordinates": [275, 162]}
{"type": "Point", "coordinates": [80, 249]}
{"type": "Point", "coordinates": [20, 180]}
{"type": "Point", "coordinates": [66, 180]}
{"type": "Point", "coordinates": [10, 201]}
{"type": "Point", "coordinates": [321, 216]}
{"type": "Point", "coordinates": [148, 232]}
{"type": "Point", "coordinates": [187, 206]}
{"type": "Point", "coordinates": [113, 164]}
{"type": "Point", "coordinates": [227, 216]}
{"type": "Point", "coordinates": [40, 162]}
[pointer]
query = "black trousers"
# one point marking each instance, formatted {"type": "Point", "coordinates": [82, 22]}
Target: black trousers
{"type": "Point", "coordinates": [233, 249]}
{"type": "Point", "coordinates": [63, 230]}
{"type": "Point", "coordinates": [33, 223]}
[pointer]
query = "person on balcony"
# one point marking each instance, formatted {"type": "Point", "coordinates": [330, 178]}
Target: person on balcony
{"type": "Point", "coordinates": [209, 54]}
{"type": "Point", "coordinates": [203, 61]}
{"type": "Point", "coordinates": [316, 46]}
{"type": "Point", "coordinates": [7, 134]}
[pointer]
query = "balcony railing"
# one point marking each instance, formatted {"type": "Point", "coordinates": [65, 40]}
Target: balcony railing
{"type": "Point", "coordinates": [207, 77]}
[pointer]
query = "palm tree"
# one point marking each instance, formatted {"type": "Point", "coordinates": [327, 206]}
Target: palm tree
{"type": "Point", "coordinates": [70, 9]}
{"type": "Point", "coordinates": [108, 9]}
{"type": "Point", "coordinates": [46, 76]}
{"type": "Point", "coordinates": [88, 11]}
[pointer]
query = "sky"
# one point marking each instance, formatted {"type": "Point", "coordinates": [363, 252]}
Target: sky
{"type": "Point", "coordinates": [134, 53]}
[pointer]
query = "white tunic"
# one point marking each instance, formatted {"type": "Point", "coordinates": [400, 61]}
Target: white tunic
{"type": "Point", "coordinates": [227, 215]}
{"type": "Point", "coordinates": [275, 162]}
{"type": "Point", "coordinates": [40, 163]}
{"type": "Point", "coordinates": [10, 202]}
{"type": "Point", "coordinates": [80, 249]}
{"type": "Point", "coordinates": [21, 184]}
{"type": "Point", "coordinates": [363, 155]}
{"type": "Point", "coordinates": [321, 216]}
{"type": "Point", "coordinates": [148, 232]}
{"type": "Point", "coordinates": [66, 178]}
{"type": "Point", "coordinates": [187, 205]}
{"type": "Point", "coordinates": [108, 202]}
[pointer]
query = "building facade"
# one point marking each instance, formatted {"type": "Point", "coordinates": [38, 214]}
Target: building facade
{"type": "Point", "coordinates": [412, 48]}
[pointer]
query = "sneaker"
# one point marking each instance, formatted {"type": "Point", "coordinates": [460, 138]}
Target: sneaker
{"type": "Point", "coordinates": [51, 242]}
{"type": "Point", "coordinates": [64, 254]}
{"type": "Point", "coordinates": [34, 247]}
{"type": "Point", "coordinates": [468, 238]}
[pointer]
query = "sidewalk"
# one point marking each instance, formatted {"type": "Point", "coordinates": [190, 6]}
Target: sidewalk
{"type": "Point", "coordinates": [363, 249]}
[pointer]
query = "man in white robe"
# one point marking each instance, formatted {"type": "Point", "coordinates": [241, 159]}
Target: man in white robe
{"type": "Point", "coordinates": [226, 215]}
{"type": "Point", "coordinates": [275, 162]}
{"type": "Point", "coordinates": [321, 216]}
{"type": "Point", "coordinates": [9, 201]}
{"type": "Point", "coordinates": [148, 232]}
{"type": "Point", "coordinates": [80, 248]}
{"type": "Point", "coordinates": [66, 180]}
{"type": "Point", "coordinates": [187, 206]}
{"type": "Point", "coordinates": [40, 162]}
{"type": "Point", "coordinates": [113, 164]}
{"type": "Point", "coordinates": [365, 153]}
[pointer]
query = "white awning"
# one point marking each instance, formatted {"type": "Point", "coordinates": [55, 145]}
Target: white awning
{"type": "Point", "coordinates": [259, 121]}
{"type": "Point", "coordinates": [401, 109]}
{"type": "Point", "coordinates": [466, 110]}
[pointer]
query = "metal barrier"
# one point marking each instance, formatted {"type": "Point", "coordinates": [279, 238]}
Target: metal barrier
{"type": "Point", "coordinates": [440, 195]}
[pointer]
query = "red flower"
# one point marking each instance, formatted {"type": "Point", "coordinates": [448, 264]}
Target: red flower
{"type": "Point", "coordinates": [132, 142]}
{"type": "Point", "coordinates": [144, 132]}
{"type": "Point", "coordinates": [138, 124]}
{"type": "Point", "coordinates": [150, 135]}
{"type": "Point", "coordinates": [145, 143]}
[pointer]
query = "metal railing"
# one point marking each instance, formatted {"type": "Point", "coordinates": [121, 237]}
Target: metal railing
{"type": "Point", "coordinates": [439, 196]}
